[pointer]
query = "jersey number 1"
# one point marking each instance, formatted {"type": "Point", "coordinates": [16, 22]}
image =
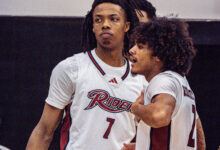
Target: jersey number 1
{"type": "Point", "coordinates": [107, 132]}
{"type": "Point", "coordinates": [191, 141]}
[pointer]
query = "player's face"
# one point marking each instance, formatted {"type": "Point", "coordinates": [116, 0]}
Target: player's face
{"type": "Point", "coordinates": [143, 18]}
{"type": "Point", "coordinates": [143, 62]}
{"type": "Point", "coordinates": [109, 25]}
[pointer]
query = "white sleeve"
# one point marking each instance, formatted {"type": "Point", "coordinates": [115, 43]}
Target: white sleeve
{"type": "Point", "coordinates": [162, 84]}
{"type": "Point", "coordinates": [145, 83]}
{"type": "Point", "coordinates": [63, 83]}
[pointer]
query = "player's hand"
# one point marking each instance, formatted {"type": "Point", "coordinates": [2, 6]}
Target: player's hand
{"type": "Point", "coordinates": [130, 146]}
{"type": "Point", "coordinates": [140, 99]}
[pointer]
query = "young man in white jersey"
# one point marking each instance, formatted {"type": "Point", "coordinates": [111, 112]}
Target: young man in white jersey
{"type": "Point", "coordinates": [148, 13]}
{"type": "Point", "coordinates": [145, 12]}
{"type": "Point", "coordinates": [95, 88]}
{"type": "Point", "coordinates": [163, 54]}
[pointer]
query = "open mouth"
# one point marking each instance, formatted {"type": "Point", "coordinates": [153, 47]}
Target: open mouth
{"type": "Point", "coordinates": [133, 59]}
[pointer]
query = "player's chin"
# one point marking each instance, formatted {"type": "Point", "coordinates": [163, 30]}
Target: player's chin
{"type": "Point", "coordinates": [107, 44]}
{"type": "Point", "coordinates": [107, 41]}
{"type": "Point", "coordinates": [134, 71]}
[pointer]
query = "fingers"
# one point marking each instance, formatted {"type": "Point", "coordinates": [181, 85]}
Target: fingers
{"type": "Point", "coordinates": [140, 99]}
{"type": "Point", "coordinates": [125, 147]}
{"type": "Point", "coordinates": [130, 146]}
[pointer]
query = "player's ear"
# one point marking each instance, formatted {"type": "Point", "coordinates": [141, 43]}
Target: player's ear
{"type": "Point", "coordinates": [127, 26]}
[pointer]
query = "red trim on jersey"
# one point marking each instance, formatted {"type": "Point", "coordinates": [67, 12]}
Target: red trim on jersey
{"type": "Point", "coordinates": [102, 72]}
{"type": "Point", "coordinates": [95, 63]}
{"type": "Point", "coordinates": [127, 70]}
{"type": "Point", "coordinates": [191, 141]}
{"type": "Point", "coordinates": [160, 138]}
{"type": "Point", "coordinates": [64, 134]}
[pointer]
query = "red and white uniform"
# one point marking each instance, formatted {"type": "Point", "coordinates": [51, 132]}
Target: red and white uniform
{"type": "Point", "coordinates": [97, 98]}
{"type": "Point", "coordinates": [181, 133]}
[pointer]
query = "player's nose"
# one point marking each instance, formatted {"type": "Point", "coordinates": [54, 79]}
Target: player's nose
{"type": "Point", "coordinates": [106, 24]}
{"type": "Point", "coordinates": [132, 50]}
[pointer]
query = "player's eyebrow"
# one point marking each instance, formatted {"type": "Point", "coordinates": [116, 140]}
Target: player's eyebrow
{"type": "Point", "coordinates": [100, 15]}
{"type": "Point", "coordinates": [114, 15]}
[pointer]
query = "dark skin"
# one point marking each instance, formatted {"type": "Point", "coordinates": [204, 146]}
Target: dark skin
{"type": "Point", "coordinates": [42, 134]}
{"type": "Point", "coordinates": [109, 27]}
{"type": "Point", "coordinates": [200, 136]}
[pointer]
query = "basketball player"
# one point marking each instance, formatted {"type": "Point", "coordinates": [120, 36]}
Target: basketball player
{"type": "Point", "coordinates": [95, 88]}
{"type": "Point", "coordinates": [163, 54]}
{"type": "Point", "coordinates": [145, 12]}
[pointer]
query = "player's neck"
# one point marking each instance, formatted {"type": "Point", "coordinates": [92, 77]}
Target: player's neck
{"type": "Point", "coordinates": [156, 70]}
{"type": "Point", "coordinates": [111, 57]}
{"type": "Point", "coordinates": [150, 75]}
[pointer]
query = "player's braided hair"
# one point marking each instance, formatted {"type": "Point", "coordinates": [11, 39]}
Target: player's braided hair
{"type": "Point", "coordinates": [89, 42]}
{"type": "Point", "coordinates": [169, 40]}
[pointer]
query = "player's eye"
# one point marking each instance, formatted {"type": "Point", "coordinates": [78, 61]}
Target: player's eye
{"type": "Point", "coordinates": [98, 20]}
{"type": "Point", "coordinates": [140, 46]}
{"type": "Point", "coordinates": [115, 19]}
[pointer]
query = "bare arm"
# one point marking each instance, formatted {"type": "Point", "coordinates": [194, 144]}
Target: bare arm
{"type": "Point", "coordinates": [200, 136]}
{"type": "Point", "coordinates": [43, 133]}
{"type": "Point", "coordinates": [130, 146]}
{"type": "Point", "coordinates": [156, 114]}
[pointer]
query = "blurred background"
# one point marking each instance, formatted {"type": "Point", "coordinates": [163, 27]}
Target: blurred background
{"type": "Point", "coordinates": [37, 34]}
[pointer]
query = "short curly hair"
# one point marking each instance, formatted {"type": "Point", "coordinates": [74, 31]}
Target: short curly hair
{"type": "Point", "coordinates": [170, 41]}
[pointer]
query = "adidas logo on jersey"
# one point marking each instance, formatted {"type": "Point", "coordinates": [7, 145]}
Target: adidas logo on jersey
{"type": "Point", "coordinates": [113, 81]}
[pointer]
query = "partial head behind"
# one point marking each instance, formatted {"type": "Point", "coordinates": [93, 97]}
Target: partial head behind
{"type": "Point", "coordinates": [145, 12]}
{"type": "Point", "coordinates": [146, 7]}
{"type": "Point", "coordinates": [89, 41]}
{"type": "Point", "coordinates": [170, 41]}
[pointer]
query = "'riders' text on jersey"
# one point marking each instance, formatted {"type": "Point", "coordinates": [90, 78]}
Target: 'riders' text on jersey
{"type": "Point", "coordinates": [97, 98]}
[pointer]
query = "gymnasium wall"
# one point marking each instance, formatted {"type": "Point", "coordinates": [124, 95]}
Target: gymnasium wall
{"type": "Point", "coordinates": [190, 9]}
{"type": "Point", "coordinates": [31, 46]}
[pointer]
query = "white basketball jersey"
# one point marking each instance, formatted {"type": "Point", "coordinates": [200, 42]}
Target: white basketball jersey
{"type": "Point", "coordinates": [98, 117]}
{"type": "Point", "coordinates": [181, 133]}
